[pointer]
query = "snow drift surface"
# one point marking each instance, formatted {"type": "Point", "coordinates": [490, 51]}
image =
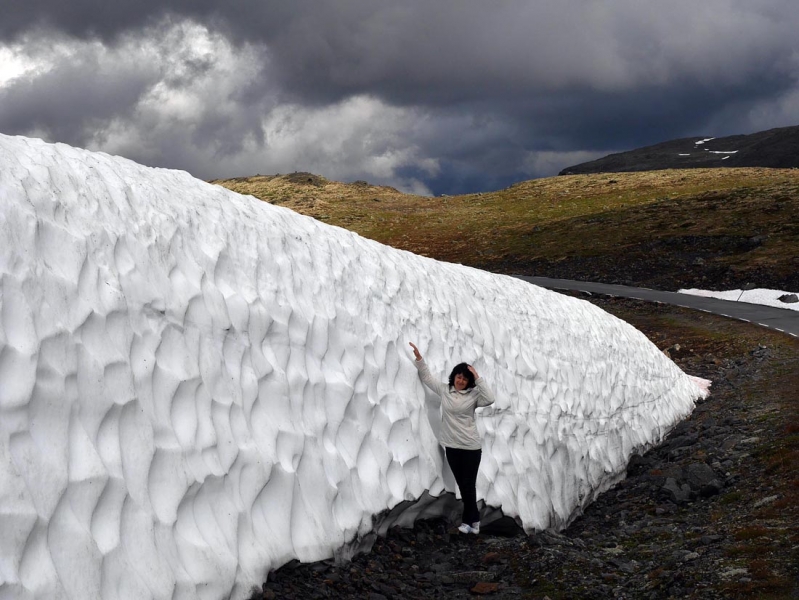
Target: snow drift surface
{"type": "Point", "coordinates": [197, 387]}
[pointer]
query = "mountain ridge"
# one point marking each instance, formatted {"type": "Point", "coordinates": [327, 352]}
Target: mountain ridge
{"type": "Point", "coordinates": [773, 148]}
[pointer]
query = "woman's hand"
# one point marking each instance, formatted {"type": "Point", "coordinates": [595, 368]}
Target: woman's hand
{"type": "Point", "coordinates": [473, 372]}
{"type": "Point", "coordinates": [416, 354]}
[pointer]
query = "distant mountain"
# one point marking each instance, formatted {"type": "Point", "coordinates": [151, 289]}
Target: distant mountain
{"type": "Point", "coordinates": [776, 148]}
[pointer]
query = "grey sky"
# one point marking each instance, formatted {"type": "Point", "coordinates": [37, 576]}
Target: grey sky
{"type": "Point", "coordinates": [442, 96]}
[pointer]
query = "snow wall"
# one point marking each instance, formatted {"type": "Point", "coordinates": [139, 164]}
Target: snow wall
{"type": "Point", "coordinates": [197, 387]}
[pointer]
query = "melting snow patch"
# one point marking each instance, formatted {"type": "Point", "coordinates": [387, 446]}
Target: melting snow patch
{"type": "Point", "coordinates": [759, 296]}
{"type": "Point", "coordinates": [198, 387]}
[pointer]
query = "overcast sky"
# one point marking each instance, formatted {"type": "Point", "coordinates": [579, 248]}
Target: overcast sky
{"type": "Point", "coordinates": [432, 96]}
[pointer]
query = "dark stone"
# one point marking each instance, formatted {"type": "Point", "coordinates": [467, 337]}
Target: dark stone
{"type": "Point", "coordinates": [679, 494]}
{"type": "Point", "coordinates": [789, 298]}
{"type": "Point", "coordinates": [683, 440]}
{"type": "Point", "coordinates": [473, 576]}
{"type": "Point", "coordinates": [700, 475]}
{"type": "Point", "coordinates": [639, 464]}
{"type": "Point", "coordinates": [384, 589]}
{"type": "Point", "coordinates": [624, 566]}
{"type": "Point", "coordinates": [707, 540]}
{"type": "Point", "coordinates": [711, 489]}
{"type": "Point", "coordinates": [504, 527]}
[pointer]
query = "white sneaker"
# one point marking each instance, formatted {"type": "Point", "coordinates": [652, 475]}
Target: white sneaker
{"type": "Point", "coordinates": [464, 528]}
{"type": "Point", "coordinates": [475, 527]}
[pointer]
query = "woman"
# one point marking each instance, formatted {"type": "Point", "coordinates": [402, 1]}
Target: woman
{"type": "Point", "coordinates": [466, 392]}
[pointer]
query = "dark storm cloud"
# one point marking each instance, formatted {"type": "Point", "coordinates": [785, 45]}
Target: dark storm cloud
{"type": "Point", "coordinates": [497, 82]}
{"type": "Point", "coordinates": [173, 84]}
{"type": "Point", "coordinates": [425, 52]}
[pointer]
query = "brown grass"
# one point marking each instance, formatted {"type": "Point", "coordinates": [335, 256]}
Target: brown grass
{"type": "Point", "coordinates": [557, 217]}
{"type": "Point", "coordinates": [750, 533]}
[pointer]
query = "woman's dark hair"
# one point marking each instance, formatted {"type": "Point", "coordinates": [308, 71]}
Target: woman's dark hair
{"type": "Point", "coordinates": [462, 369]}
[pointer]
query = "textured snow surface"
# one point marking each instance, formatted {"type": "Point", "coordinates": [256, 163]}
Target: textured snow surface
{"type": "Point", "coordinates": [197, 387]}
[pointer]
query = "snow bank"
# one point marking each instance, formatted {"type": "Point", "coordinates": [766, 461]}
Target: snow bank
{"type": "Point", "coordinates": [197, 387]}
{"type": "Point", "coordinates": [764, 296]}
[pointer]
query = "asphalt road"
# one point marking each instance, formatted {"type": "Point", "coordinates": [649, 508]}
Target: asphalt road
{"type": "Point", "coordinates": [779, 319]}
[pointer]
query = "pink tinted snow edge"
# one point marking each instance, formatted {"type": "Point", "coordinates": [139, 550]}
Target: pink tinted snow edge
{"type": "Point", "coordinates": [702, 384]}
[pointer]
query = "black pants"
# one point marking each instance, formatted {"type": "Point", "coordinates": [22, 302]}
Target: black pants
{"type": "Point", "coordinates": [464, 465]}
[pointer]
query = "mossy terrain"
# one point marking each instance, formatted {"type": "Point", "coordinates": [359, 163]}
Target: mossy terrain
{"type": "Point", "coordinates": [722, 228]}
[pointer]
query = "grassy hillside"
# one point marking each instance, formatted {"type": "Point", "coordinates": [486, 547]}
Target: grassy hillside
{"type": "Point", "coordinates": [718, 228]}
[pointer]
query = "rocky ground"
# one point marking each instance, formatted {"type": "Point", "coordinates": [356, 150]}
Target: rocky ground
{"type": "Point", "coordinates": [710, 513]}
{"type": "Point", "coordinates": [671, 264]}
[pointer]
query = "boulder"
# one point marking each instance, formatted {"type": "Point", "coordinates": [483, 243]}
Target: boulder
{"type": "Point", "coordinates": [703, 479]}
{"type": "Point", "coordinates": [679, 494]}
